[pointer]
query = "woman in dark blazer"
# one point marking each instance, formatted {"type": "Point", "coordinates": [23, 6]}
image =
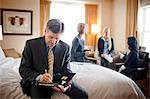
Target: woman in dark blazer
{"type": "Point", "coordinates": [105, 46]}
{"type": "Point", "coordinates": [131, 60]}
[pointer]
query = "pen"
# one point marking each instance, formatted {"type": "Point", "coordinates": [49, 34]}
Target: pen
{"type": "Point", "coordinates": [46, 71]}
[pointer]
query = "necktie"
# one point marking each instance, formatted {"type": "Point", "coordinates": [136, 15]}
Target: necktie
{"type": "Point", "coordinates": [50, 62]}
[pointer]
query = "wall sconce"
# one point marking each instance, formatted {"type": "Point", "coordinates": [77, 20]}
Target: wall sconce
{"type": "Point", "coordinates": [95, 30]}
{"type": "Point", "coordinates": [1, 34]}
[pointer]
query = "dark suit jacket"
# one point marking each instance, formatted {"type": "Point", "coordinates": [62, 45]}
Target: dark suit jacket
{"type": "Point", "coordinates": [131, 60]}
{"type": "Point", "coordinates": [34, 60]}
{"type": "Point", "coordinates": [131, 64]}
{"type": "Point", "coordinates": [77, 50]}
{"type": "Point", "coordinates": [101, 46]}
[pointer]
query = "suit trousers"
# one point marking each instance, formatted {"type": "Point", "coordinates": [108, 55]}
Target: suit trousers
{"type": "Point", "coordinates": [105, 63]}
{"type": "Point", "coordinates": [75, 92]}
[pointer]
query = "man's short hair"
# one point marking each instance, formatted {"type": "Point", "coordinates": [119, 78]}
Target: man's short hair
{"type": "Point", "coordinates": [55, 26]}
{"type": "Point", "coordinates": [79, 27]}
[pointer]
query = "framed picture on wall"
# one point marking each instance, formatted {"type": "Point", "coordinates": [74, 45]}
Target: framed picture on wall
{"type": "Point", "coordinates": [16, 22]}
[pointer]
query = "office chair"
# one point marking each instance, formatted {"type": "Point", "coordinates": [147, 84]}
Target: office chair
{"type": "Point", "coordinates": [141, 72]}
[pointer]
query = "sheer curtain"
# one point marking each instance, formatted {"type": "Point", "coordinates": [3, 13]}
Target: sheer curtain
{"type": "Point", "coordinates": [144, 24]}
{"type": "Point", "coordinates": [71, 14]}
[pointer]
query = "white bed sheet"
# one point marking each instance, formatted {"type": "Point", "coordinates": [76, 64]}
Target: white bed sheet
{"type": "Point", "coordinates": [10, 81]}
{"type": "Point", "coordinates": [104, 83]}
{"type": "Point", "coordinates": [99, 82]}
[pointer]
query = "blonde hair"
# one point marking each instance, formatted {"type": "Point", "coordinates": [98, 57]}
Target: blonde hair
{"type": "Point", "coordinates": [106, 36]}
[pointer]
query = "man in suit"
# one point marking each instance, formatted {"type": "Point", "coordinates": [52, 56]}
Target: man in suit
{"type": "Point", "coordinates": [34, 63]}
{"type": "Point", "coordinates": [78, 52]}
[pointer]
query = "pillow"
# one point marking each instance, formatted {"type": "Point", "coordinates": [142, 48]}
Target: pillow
{"type": "Point", "coordinates": [2, 55]}
{"type": "Point", "coordinates": [11, 52]}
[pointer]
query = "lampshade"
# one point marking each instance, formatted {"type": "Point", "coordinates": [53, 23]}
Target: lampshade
{"type": "Point", "coordinates": [1, 35]}
{"type": "Point", "coordinates": [95, 28]}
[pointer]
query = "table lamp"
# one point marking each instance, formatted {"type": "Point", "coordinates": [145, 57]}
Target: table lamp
{"type": "Point", "coordinates": [95, 30]}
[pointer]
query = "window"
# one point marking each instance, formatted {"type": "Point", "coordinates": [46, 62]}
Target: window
{"type": "Point", "coordinates": [71, 14]}
{"type": "Point", "coordinates": [145, 27]}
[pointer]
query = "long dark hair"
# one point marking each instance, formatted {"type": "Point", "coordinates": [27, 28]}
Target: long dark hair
{"type": "Point", "coordinates": [132, 42]}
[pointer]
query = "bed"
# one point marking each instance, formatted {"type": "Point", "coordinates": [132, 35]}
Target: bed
{"type": "Point", "coordinates": [99, 82]}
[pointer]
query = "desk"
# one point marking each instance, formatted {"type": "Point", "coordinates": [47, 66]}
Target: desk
{"type": "Point", "coordinates": [93, 59]}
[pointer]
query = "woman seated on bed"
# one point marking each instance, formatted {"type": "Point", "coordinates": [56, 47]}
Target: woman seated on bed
{"type": "Point", "coordinates": [131, 60]}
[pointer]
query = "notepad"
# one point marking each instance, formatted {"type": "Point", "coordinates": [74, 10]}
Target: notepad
{"type": "Point", "coordinates": [48, 84]}
{"type": "Point", "coordinates": [107, 57]}
{"type": "Point", "coordinates": [64, 81]}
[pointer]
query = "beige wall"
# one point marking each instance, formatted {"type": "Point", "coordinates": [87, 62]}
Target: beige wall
{"type": "Point", "coordinates": [118, 24]}
{"type": "Point", "coordinates": [18, 42]}
{"type": "Point", "coordinates": [0, 11]}
{"type": "Point", "coordinates": [106, 13]}
{"type": "Point", "coordinates": [0, 2]}
{"type": "Point", "coordinates": [99, 12]}
{"type": "Point", "coordinates": [113, 13]}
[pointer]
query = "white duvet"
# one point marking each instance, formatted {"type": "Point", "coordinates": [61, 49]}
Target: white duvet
{"type": "Point", "coordinates": [99, 82]}
{"type": "Point", "coordinates": [104, 83]}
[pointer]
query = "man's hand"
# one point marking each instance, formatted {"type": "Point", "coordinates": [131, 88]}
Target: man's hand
{"type": "Point", "coordinates": [61, 88]}
{"type": "Point", "coordinates": [46, 78]}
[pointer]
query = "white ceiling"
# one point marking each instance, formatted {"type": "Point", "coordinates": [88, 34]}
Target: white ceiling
{"type": "Point", "coordinates": [77, 0]}
{"type": "Point", "coordinates": [82, 1]}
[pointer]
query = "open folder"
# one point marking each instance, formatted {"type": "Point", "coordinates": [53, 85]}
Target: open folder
{"type": "Point", "coordinates": [59, 80]}
{"type": "Point", "coordinates": [107, 57]}
{"type": "Point", "coordinates": [48, 84]}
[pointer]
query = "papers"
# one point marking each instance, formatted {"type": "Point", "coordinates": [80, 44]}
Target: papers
{"type": "Point", "coordinates": [121, 55]}
{"type": "Point", "coordinates": [107, 57]}
{"type": "Point", "coordinates": [64, 81]}
{"type": "Point", "coordinates": [48, 84]}
{"type": "Point", "coordinates": [122, 68]}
